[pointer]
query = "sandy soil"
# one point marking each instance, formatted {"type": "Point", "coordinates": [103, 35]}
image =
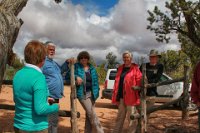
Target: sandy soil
{"type": "Point", "coordinates": [159, 121]}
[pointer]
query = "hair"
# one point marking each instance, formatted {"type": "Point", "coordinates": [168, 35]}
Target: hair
{"type": "Point", "coordinates": [83, 54]}
{"type": "Point", "coordinates": [129, 54]}
{"type": "Point", "coordinates": [49, 43]}
{"type": "Point", "coordinates": [34, 52]}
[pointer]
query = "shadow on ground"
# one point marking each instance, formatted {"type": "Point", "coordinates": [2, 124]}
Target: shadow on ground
{"type": "Point", "coordinates": [6, 123]}
{"type": "Point", "coordinates": [105, 105]}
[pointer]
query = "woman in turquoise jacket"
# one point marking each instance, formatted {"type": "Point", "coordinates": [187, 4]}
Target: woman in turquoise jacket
{"type": "Point", "coordinates": [30, 92]}
{"type": "Point", "coordinates": [87, 91]}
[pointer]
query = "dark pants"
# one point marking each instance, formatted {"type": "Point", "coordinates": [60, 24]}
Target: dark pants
{"type": "Point", "coordinates": [152, 91]}
{"type": "Point", "coordinates": [21, 131]}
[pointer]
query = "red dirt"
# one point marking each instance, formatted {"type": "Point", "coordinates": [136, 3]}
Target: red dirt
{"type": "Point", "coordinates": [159, 122]}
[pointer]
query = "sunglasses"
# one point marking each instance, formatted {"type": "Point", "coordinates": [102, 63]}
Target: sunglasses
{"type": "Point", "coordinates": [83, 57]}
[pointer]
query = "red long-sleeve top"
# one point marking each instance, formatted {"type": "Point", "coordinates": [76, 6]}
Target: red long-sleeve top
{"type": "Point", "coordinates": [195, 90]}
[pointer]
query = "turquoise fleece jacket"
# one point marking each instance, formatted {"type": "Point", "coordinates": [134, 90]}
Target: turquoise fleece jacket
{"type": "Point", "coordinates": [79, 72]}
{"type": "Point", "coordinates": [30, 97]}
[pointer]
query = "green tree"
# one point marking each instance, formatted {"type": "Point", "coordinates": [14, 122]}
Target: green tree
{"type": "Point", "coordinates": [92, 61]}
{"type": "Point", "coordinates": [101, 72]}
{"type": "Point", "coordinates": [192, 51]}
{"type": "Point", "coordinates": [111, 60]}
{"type": "Point", "coordinates": [173, 62]}
{"type": "Point", "coordinates": [11, 70]}
{"type": "Point", "coordinates": [9, 26]}
{"type": "Point", "coordinates": [182, 16]}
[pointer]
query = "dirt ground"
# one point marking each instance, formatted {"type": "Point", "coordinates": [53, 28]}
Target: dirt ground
{"type": "Point", "coordinates": [164, 121]}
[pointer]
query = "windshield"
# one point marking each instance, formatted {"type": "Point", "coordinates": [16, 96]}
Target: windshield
{"type": "Point", "coordinates": [163, 78]}
{"type": "Point", "coordinates": [112, 75]}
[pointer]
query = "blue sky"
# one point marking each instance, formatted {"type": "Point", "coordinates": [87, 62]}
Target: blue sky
{"type": "Point", "coordinates": [99, 7]}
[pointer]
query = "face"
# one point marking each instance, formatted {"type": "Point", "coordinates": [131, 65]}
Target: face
{"type": "Point", "coordinates": [51, 51]}
{"type": "Point", "coordinates": [84, 60]}
{"type": "Point", "coordinates": [127, 59]}
{"type": "Point", "coordinates": [153, 60]}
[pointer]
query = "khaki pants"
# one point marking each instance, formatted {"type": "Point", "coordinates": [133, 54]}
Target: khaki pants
{"type": "Point", "coordinates": [21, 131]}
{"type": "Point", "coordinates": [92, 123]}
{"type": "Point", "coordinates": [123, 112]}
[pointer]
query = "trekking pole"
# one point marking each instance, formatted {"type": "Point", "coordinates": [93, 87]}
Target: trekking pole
{"type": "Point", "coordinates": [74, 123]}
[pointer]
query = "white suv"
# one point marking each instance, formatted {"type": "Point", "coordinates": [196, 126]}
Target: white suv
{"type": "Point", "coordinates": [166, 93]}
{"type": "Point", "coordinates": [109, 83]}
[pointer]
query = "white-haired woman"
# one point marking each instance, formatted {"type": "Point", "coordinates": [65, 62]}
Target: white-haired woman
{"type": "Point", "coordinates": [128, 75]}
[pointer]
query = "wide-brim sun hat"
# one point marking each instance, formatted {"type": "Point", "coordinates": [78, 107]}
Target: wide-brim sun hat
{"type": "Point", "coordinates": [154, 52]}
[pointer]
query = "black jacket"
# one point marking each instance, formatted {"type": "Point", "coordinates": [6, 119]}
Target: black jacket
{"type": "Point", "coordinates": [153, 73]}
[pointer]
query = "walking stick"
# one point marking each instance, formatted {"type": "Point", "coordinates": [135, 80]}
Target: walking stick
{"type": "Point", "coordinates": [143, 108]}
{"type": "Point", "coordinates": [74, 124]}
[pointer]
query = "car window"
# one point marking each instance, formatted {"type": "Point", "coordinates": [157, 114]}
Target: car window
{"type": "Point", "coordinates": [163, 78]}
{"type": "Point", "coordinates": [112, 75]}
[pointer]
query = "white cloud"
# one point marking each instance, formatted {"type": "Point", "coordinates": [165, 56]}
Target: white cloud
{"type": "Point", "coordinates": [74, 30]}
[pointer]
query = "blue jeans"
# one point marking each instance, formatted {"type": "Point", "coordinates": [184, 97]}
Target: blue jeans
{"type": "Point", "coordinates": [53, 123]}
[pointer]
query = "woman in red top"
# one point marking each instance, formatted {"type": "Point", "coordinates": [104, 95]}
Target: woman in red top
{"type": "Point", "coordinates": [195, 90]}
{"type": "Point", "coordinates": [128, 75]}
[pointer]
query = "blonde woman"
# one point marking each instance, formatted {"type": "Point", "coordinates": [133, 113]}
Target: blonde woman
{"type": "Point", "coordinates": [128, 75]}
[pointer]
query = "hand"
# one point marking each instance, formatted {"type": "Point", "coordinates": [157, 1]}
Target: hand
{"type": "Point", "coordinates": [50, 100]}
{"type": "Point", "coordinates": [79, 81]}
{"type": "Point", "coordinates": [71, 60]}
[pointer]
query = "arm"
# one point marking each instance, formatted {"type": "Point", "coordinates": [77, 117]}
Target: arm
{"type": "Point", "coordinates": [96, 78]}
{"type": "Point", "coordinates": [41, 106]}
{"type": "Point", "coordinates": [65, 70]}
{"type": "Point", "coordinates": [141, 68]}
{"type": "Point", "coordinates": [65, 67]}
{"type": "Point", "coordinates": [95, 84]}
{"type": "Point", "coordinates": [77, 76]}
{"type": "Point", "coordinates": [138, 77]}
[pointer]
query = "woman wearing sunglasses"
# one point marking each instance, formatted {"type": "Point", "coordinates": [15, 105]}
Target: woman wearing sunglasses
{"type": "Point", "coordinates": [87, 91]}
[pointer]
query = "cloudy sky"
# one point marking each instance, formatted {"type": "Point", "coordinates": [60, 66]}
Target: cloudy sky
{"type": "Point", "coordinates": [98, 26]}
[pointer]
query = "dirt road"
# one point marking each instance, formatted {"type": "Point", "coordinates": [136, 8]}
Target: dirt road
{"type": "Point", "coordinates": [159, 121]}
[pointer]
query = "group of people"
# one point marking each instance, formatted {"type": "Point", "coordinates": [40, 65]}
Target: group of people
{"type": "Point", "coordinates": [38, 87]}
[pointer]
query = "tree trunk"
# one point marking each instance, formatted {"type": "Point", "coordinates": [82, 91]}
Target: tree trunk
{"type": "Point", "coordinates": [142, 121]}
{"type": "Point", "coordinates": [9, 29]}
{"type": "Point", "coordinates": [185, 100]}
{"type": "Point", "coordinates": [74, 124]}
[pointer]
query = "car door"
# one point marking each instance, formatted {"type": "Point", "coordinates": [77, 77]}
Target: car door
{"type": "Point", "coordinates": [173, 90]}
